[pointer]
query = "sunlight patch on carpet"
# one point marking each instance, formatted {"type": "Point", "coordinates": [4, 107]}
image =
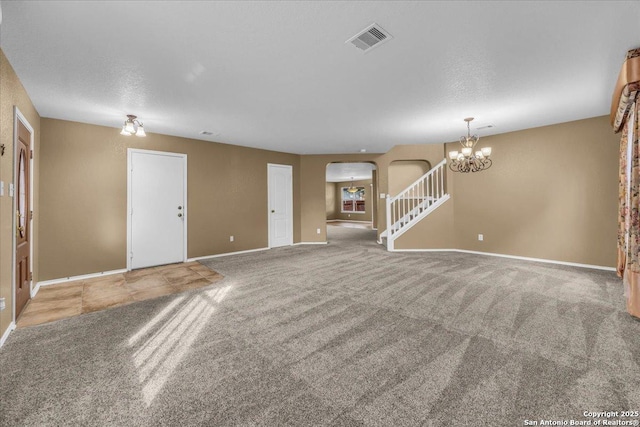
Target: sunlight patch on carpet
{"type": "Point", "coordinates": [162, 343]}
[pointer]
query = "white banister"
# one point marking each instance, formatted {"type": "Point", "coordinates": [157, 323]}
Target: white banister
{"type": "Point", "coordinates": [415, 202]}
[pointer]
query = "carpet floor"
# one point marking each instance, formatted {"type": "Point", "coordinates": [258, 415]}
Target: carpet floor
{"type": "Point", "coordinates": [344, 334]}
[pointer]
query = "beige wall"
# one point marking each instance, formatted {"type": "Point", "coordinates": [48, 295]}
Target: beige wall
{"type": "Point", "coordinates": [12, 94]}
{"type": "Point", "coordinates": [364, 216]}
{"type": "Point", "coordinates": [551, 193]}
{"type": "Point", "coordinates": [330, 194]}
{"type": "Point", "coordinates": [403, 173]}
{"type": "Point", "coordinates": [84, 196]}
{"type": "Point", "coordinates": [436, 231]}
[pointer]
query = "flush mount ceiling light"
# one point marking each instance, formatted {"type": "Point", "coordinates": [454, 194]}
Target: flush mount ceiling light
{"type": "Point", "coordinates": [132, 126]}
{"type": "Point", "coordinates": [467, 160]}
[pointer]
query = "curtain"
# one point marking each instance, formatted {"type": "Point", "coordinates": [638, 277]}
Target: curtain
{"type": "Point", "coordinates": [629, 205]}
{"type": "Point", "coordinates": [625, 117]}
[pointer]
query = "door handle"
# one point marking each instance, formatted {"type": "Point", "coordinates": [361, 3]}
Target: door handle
{"type": "Point", "coordinates": [179, 215]}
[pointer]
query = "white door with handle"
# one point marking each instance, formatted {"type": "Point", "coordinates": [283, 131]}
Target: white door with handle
{"type": "Point", "coordinates": [157, 183]}
{"type": "Point", "coordinates": [280, 184]}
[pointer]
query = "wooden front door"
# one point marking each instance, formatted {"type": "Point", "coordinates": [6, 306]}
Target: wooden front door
{"type": "Point", "coordinates": [23, 218]}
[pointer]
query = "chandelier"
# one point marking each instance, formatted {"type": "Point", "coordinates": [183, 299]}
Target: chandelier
{"type": "Point", "coordinates": [351, 188]}
{"type": "Point", "coordinates": [132, 126]}
{"type": "Point", "coordinates": [467, 160]}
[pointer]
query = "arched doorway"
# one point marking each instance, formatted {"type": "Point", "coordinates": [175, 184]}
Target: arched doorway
{"type": "Point", "coordinates": [351, 197]}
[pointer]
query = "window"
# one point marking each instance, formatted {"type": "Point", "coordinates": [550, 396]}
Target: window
{"type": "Point", "coordinates": [353, 201]}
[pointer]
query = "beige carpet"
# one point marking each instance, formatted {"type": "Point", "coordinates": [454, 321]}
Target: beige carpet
{"type": "Point", "coordinates": [343, 334]}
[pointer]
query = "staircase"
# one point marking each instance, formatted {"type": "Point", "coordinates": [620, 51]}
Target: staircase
{"type": "Point", "coordinates": [414, 203]}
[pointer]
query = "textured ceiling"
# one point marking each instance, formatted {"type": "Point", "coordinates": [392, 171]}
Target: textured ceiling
{"type": "Point", "coordinates": [340, 172]}
{"type": "Point", "coordinates": [278, 75]}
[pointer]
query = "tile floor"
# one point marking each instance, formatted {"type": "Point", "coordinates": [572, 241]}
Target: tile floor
{"type": "Point", "coordinates": [64, 300]}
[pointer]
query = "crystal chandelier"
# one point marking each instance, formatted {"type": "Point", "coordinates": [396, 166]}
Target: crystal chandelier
{"type": "Point", "coordinates": [132, 126]}
{"type": "Point", "coordinates": [467, 160]}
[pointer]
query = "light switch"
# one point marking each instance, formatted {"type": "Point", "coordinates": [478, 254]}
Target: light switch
{"type": "Point", "coordinates": [11, 189]}
{"type": "Point", "coordinates": [382, 195]}
{"type": "Point", "coordinates": [1, 188]}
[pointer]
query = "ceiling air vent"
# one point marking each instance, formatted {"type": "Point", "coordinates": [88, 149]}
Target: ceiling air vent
{"type": "Point", "coordinates": [372, 36]}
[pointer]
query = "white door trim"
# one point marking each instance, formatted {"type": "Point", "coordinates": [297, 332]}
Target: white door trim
{"type": "Point", "coordinates": [130, 152]}
{"type": "Point", "coordinates": [17, 115]}
{"type": "Point", "coordinates": [290, 168]}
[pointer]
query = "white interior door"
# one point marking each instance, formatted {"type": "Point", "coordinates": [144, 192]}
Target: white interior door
{"type": "Point", "coordinates": [280, 182]}
{"type": "Point", "coordinates": [157, 208]}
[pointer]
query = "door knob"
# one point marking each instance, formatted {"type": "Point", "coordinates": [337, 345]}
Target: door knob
{"type": "Point", "coordinates": [179, 215]}
{"type": "Point", "coordinates": [272, 211]}
{"type": "Point", "coordinates": [179, 207]}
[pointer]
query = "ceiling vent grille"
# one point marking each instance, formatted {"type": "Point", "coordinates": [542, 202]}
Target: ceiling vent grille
{"type": "Point", "coordinates": [372, 36]}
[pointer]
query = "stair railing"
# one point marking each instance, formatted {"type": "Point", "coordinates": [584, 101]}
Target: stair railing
{"type": "Point", "coordinates": [415, 202]}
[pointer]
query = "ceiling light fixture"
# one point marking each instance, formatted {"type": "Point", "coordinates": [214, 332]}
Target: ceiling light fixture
{"type": "Point", "coordinates": [467, 160]}
{"type": "Point", "coordinates": [132, 126]}
{"type": "Point", "coordinates": [351, 188]}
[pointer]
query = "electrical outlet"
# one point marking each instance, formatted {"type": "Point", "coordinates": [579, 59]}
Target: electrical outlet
{"type": "Point", "coordinates": [231, 238]}
{"type": "Point", "coordinates": [317, 231]}
{"type": "Point", "coordinates": [382, 195]}
{"type": "Point", "coordinates": [348, 215]}
{"type": "Point", "coordinates": [481, 237]}
{"type": "Point", "coordinates": [2, 304]}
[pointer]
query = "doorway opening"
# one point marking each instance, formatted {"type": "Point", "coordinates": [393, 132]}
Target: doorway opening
{"type": "Point", "coordinates": [351, 195]}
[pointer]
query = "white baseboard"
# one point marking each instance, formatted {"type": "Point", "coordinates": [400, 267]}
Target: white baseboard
{"type": "Point", "coordinates": [4, 337]}
{"type": "Point", "coordinates": [310, 243]}
{"type": "Point", "coordinates": [348, 220]}
{"type": "Point", "coordinates": [547, 261]}
{"type": "Point", "coordinates": [81, 277]}
{"type": "Point", "coordinates": [35, 290]}
{"type": "Point", "coordinates": [426, 250]}
{"type": "Point", "coordinates": [226, 254]}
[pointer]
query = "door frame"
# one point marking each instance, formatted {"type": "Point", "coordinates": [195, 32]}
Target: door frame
{"type": "Point", "coordinates": [130, 152]}
{"type": "Point", "coordinates": [290, 201]}
{"type": "Point", "coordinates": [17, 115]}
